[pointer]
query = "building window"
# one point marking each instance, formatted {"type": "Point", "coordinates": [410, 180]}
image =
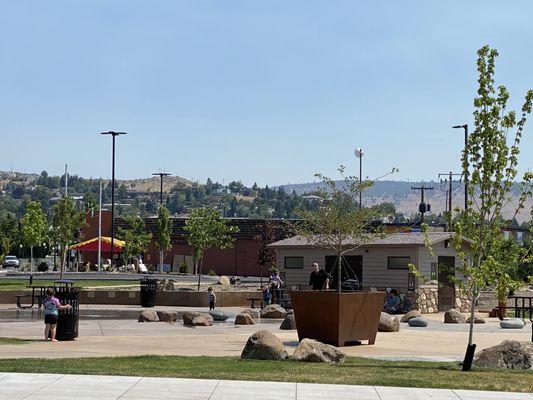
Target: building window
{"type": "Point", "coordinates": [294, 262]}
{"type": "Point", "coordinates": [398, 262]}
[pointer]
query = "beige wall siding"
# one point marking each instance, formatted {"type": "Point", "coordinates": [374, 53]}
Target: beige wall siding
{"type": "Point", "coordinates": [425, 258]}
{"type": "Point", "coordinates": [375, 271]}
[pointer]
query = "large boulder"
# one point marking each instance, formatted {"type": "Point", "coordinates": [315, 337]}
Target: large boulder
{"type": "Point", "coordinates": [388, 323]}
{"type": "Point", "coordinates": [310, 350]}
{"type": "Point", "coordinates": [409, 315]}
{"type": "Point", "coordinates": [218, 315]}
{"type": "Point", "coordinates": [477, 319]}
{"type": "Point", "coordinates": [166, 316]}
{"type": "Point", "coordinates": [244, 319]}
{"type": "Point", "coordinates": [273, 311]}
{"type": "Point", "coordinates": [224, 281]}
{"type": "Point", "coordinates": [509, 354]}
{"type": "Point", "coordinates": [148, 316]}
{"type": "Point", "coordinates": [264, 345]}
{"type": "Point", "coordinates": [192, 318]}
{"type": "Point", "coordinates": [512, 323]}
{"type": "Point", "coordinates": [418, 322]}
{"type": "Point", "coordinates": [253, 312]}
{"type": "Point", "coordinates": [288, 323]}
{"type": "Point", "coordinates": [452, 316]}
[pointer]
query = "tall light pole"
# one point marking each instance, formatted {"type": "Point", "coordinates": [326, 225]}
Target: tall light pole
{"type": "Point", "coordinates": [465, 160]}
{"type": "Point", "coordinates": [161, 175]}
{"type": "Point", "coordinates": [359, 154]}
{"type": "Point", "coordinates": [114, 135]}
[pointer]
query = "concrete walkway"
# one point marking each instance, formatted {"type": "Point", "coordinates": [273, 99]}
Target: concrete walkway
{"type": "Point", "coordinates": [81, 387]}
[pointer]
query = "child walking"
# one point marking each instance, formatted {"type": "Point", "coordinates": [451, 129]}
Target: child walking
{"type": "Point", "coordinates": [211, 297]}
{"type": "Point", "coordinates": [51, 313]}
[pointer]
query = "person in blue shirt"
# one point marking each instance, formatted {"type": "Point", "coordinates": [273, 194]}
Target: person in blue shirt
{"type": "Point", "coordinates": [392, 302]}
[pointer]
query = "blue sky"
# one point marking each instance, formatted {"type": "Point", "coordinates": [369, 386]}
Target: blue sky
{"type": "Point", "coordinates": [266, 91]}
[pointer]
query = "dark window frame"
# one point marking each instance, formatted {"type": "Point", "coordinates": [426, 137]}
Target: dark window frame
{"type": "Point", "coordinates": [400, 268]}
{"type": "Point", "coordinates": [285, 262]}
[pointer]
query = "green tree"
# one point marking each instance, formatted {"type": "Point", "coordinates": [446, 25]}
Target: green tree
{"type": "Point", "coordinates": [34, 227]}
{"type": "Point", "coordinates": [490, 159]}
{"type": "Point", "coordinates": [205, 229]}
{"type": "Point", "coordinates": [67, 222]}
{"type": "Point", "coordinates": [163, 230]}
{"type": "Point", "coordinates": [135, 237]}
{"type": "Point", "coordinates": [339, 224]}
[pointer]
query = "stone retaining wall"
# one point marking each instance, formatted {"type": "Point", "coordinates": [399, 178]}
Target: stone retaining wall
{"type": "Point", "coordinates": [175, 298]}
{"type": "Point", "coordinates": [426, 299]}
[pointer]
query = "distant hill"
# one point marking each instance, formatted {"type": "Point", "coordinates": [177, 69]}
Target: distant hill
{"type": "Point", "coordinates": [406, 200]}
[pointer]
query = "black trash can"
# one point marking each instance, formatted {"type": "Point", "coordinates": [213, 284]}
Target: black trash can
{"type": "Point", "coordinates": [68, 320]}
{"type": "Point", "coordinates": [148, 292]}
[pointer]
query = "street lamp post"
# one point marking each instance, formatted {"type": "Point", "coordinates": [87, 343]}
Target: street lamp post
{"type": "Point", "coordinates": [465, 160]}
{"type": "Point", "coordinates": [161, 175]}
{"type": "Point", "coordinates": [113, 134]}
{"type": "Point", "coordinates": [359, 154]}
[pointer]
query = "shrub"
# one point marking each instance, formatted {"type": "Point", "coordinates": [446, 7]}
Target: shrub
{"type": "Point", "coordinates": [184, 267]}
{"type": "Point", "coordinates": [212, 272]}
{"type": "Point", "coordinates": [43, 266]}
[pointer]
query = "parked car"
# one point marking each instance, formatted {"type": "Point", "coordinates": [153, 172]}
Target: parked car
{"type": "Point", "coordinates": [10, 262]}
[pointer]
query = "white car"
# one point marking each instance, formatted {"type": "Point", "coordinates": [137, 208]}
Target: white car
{"type": "Point", "coordinates": [10, 262]}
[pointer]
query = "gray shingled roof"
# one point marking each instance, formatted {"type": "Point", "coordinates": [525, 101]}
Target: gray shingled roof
{"type": "Point", "coordinates": [394, 239]}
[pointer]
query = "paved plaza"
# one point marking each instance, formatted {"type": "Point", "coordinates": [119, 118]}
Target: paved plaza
{"type": "Point", "coordinates": [84, 387]}
{"type": "Point", "coordinates": [101, 335]}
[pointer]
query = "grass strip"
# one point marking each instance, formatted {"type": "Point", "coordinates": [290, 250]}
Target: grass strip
{"type": "Point", "coordinates": [355, 371]}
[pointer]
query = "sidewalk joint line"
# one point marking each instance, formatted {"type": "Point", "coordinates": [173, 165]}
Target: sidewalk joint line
{"type": "Point", "coordinates": [459, 397]}
{"type": "Point", "coordinates": [375, 390]}
{"type": "Point", "coordinates": [131, 387]}
{"type": "Point", "coordinates": [214, 389]}
{"type": "Point", "coordinates": [45, 386]}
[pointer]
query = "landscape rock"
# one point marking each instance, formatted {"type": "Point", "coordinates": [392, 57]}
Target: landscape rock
{"type": "Point", "coordinates": [224, 281]}
{"type": "Point", "coordinates": [166, 316]}
{"type": "Point", "coordinates": [409, 315]}
{"type": "Point", "coordinates": [418, 322]}
{"type": "Point", "coordinates": [264, 345]}
{"type": "Point", "coordinates": [148, 316]}
{"type": "Point", "coordinates": [253, 312]}
{"type": "Point", "coordinates": [218, 315]}
{"type": "Point", "coordinates": [512, 323]}
{"type": "Point", "coordinates": [288, 323]}
{"type": "Point", "coordinates": [510, 354]}
{"type": "Point", "coordinates": [273, 311]}
{"type": "Point", "coordinates": [388, 323]}
{"type": "Point", "coordinates": [452, 316]}
{"type": "Point", "coordinates": [477, 320]}
{"type": "Point", "coordinates": [313, 351]}
{"type": "Point", "coordinates": [192, 318]}
{"type": "Point", "coordinates": [244, 319]}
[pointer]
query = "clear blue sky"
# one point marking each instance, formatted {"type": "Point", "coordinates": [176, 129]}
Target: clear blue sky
{"type": "Point", "coordinates": [266, 91]}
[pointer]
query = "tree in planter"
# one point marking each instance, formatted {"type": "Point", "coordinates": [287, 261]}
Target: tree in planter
{"type": "Point", "coordinates": [339, 224]}
{"type": "Point", "coordinates": [205, 229]}
{"type": "Point", "coordinates": [67, 222]}
{"type": "Point", "coordinates": [135, 237]}
{"type": "Point", "coordinates": [265, 255]}
{"type": "Point", "coordinates": [491, 162]}
{"type": "Point", "coordinates": [162, 238]}
{"type": "Point", "coordinates": [34, 228]}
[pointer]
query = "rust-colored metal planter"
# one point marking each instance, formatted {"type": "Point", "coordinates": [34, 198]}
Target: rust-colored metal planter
{"type": "Point", "coordinates": [337, 318]}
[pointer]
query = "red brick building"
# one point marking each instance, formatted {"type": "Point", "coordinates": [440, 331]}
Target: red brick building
{"type": "Point", "coordinates": [241, 259]}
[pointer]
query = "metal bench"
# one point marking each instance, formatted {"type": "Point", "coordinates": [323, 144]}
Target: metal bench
{"type": "Point", "coordinates": [523, 306]}
{"type": "Point", "coordinates": [253, 300]}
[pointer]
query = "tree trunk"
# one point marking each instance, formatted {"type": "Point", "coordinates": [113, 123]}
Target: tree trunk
{"type": "Point", "coordinates": [160, 261]}
{"type": "Point", "coordinates": [200, 272]}
{"type": "Point", "coordinates": [31, 260]}
{"type": "Point", "coordinates": [471, 327]}
{"type": "Point", "coordinates": [339, 273]}
{"type": "Point", "coordinates": [62, 262]}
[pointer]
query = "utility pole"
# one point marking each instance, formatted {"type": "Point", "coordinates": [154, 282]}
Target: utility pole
{"type": "Point", "coordinates": [465, 161]}
{"type": "Point", "coordinates": [100, 228]}
{"type": "Point", "coordinates": [114, 135]}
{"type": "Point", "coordinates": [161, 175]}
{"type": "Point", "coordinates": [423, 207]}
{"type": "Point", "coordinates": [66, 180]}
{"type": "Point", "coordinates": [359, 154]}
{"type": "Point", "coordinates": [448, 182]}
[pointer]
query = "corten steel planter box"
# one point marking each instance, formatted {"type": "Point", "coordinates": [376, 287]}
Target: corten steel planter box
{"type": "Point", "coordinates": [337, 318]}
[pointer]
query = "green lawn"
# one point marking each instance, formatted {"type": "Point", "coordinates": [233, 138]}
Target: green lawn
{"type": "Point", "coordinates": [8, 340]}
{"type": "Point", "coordinates": [20, 284]}
{"type": "Point", "coordinates": [356, 371]}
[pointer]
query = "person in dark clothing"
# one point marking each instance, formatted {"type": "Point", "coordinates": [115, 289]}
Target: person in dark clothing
{"type": "Point", "coordinates": [318, 278]}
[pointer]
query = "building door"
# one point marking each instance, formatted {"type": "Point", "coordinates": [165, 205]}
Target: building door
{"type": "Point", "coordinates": [446, 268]}
{"type": "Point", "coordinates": [352, 268]}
